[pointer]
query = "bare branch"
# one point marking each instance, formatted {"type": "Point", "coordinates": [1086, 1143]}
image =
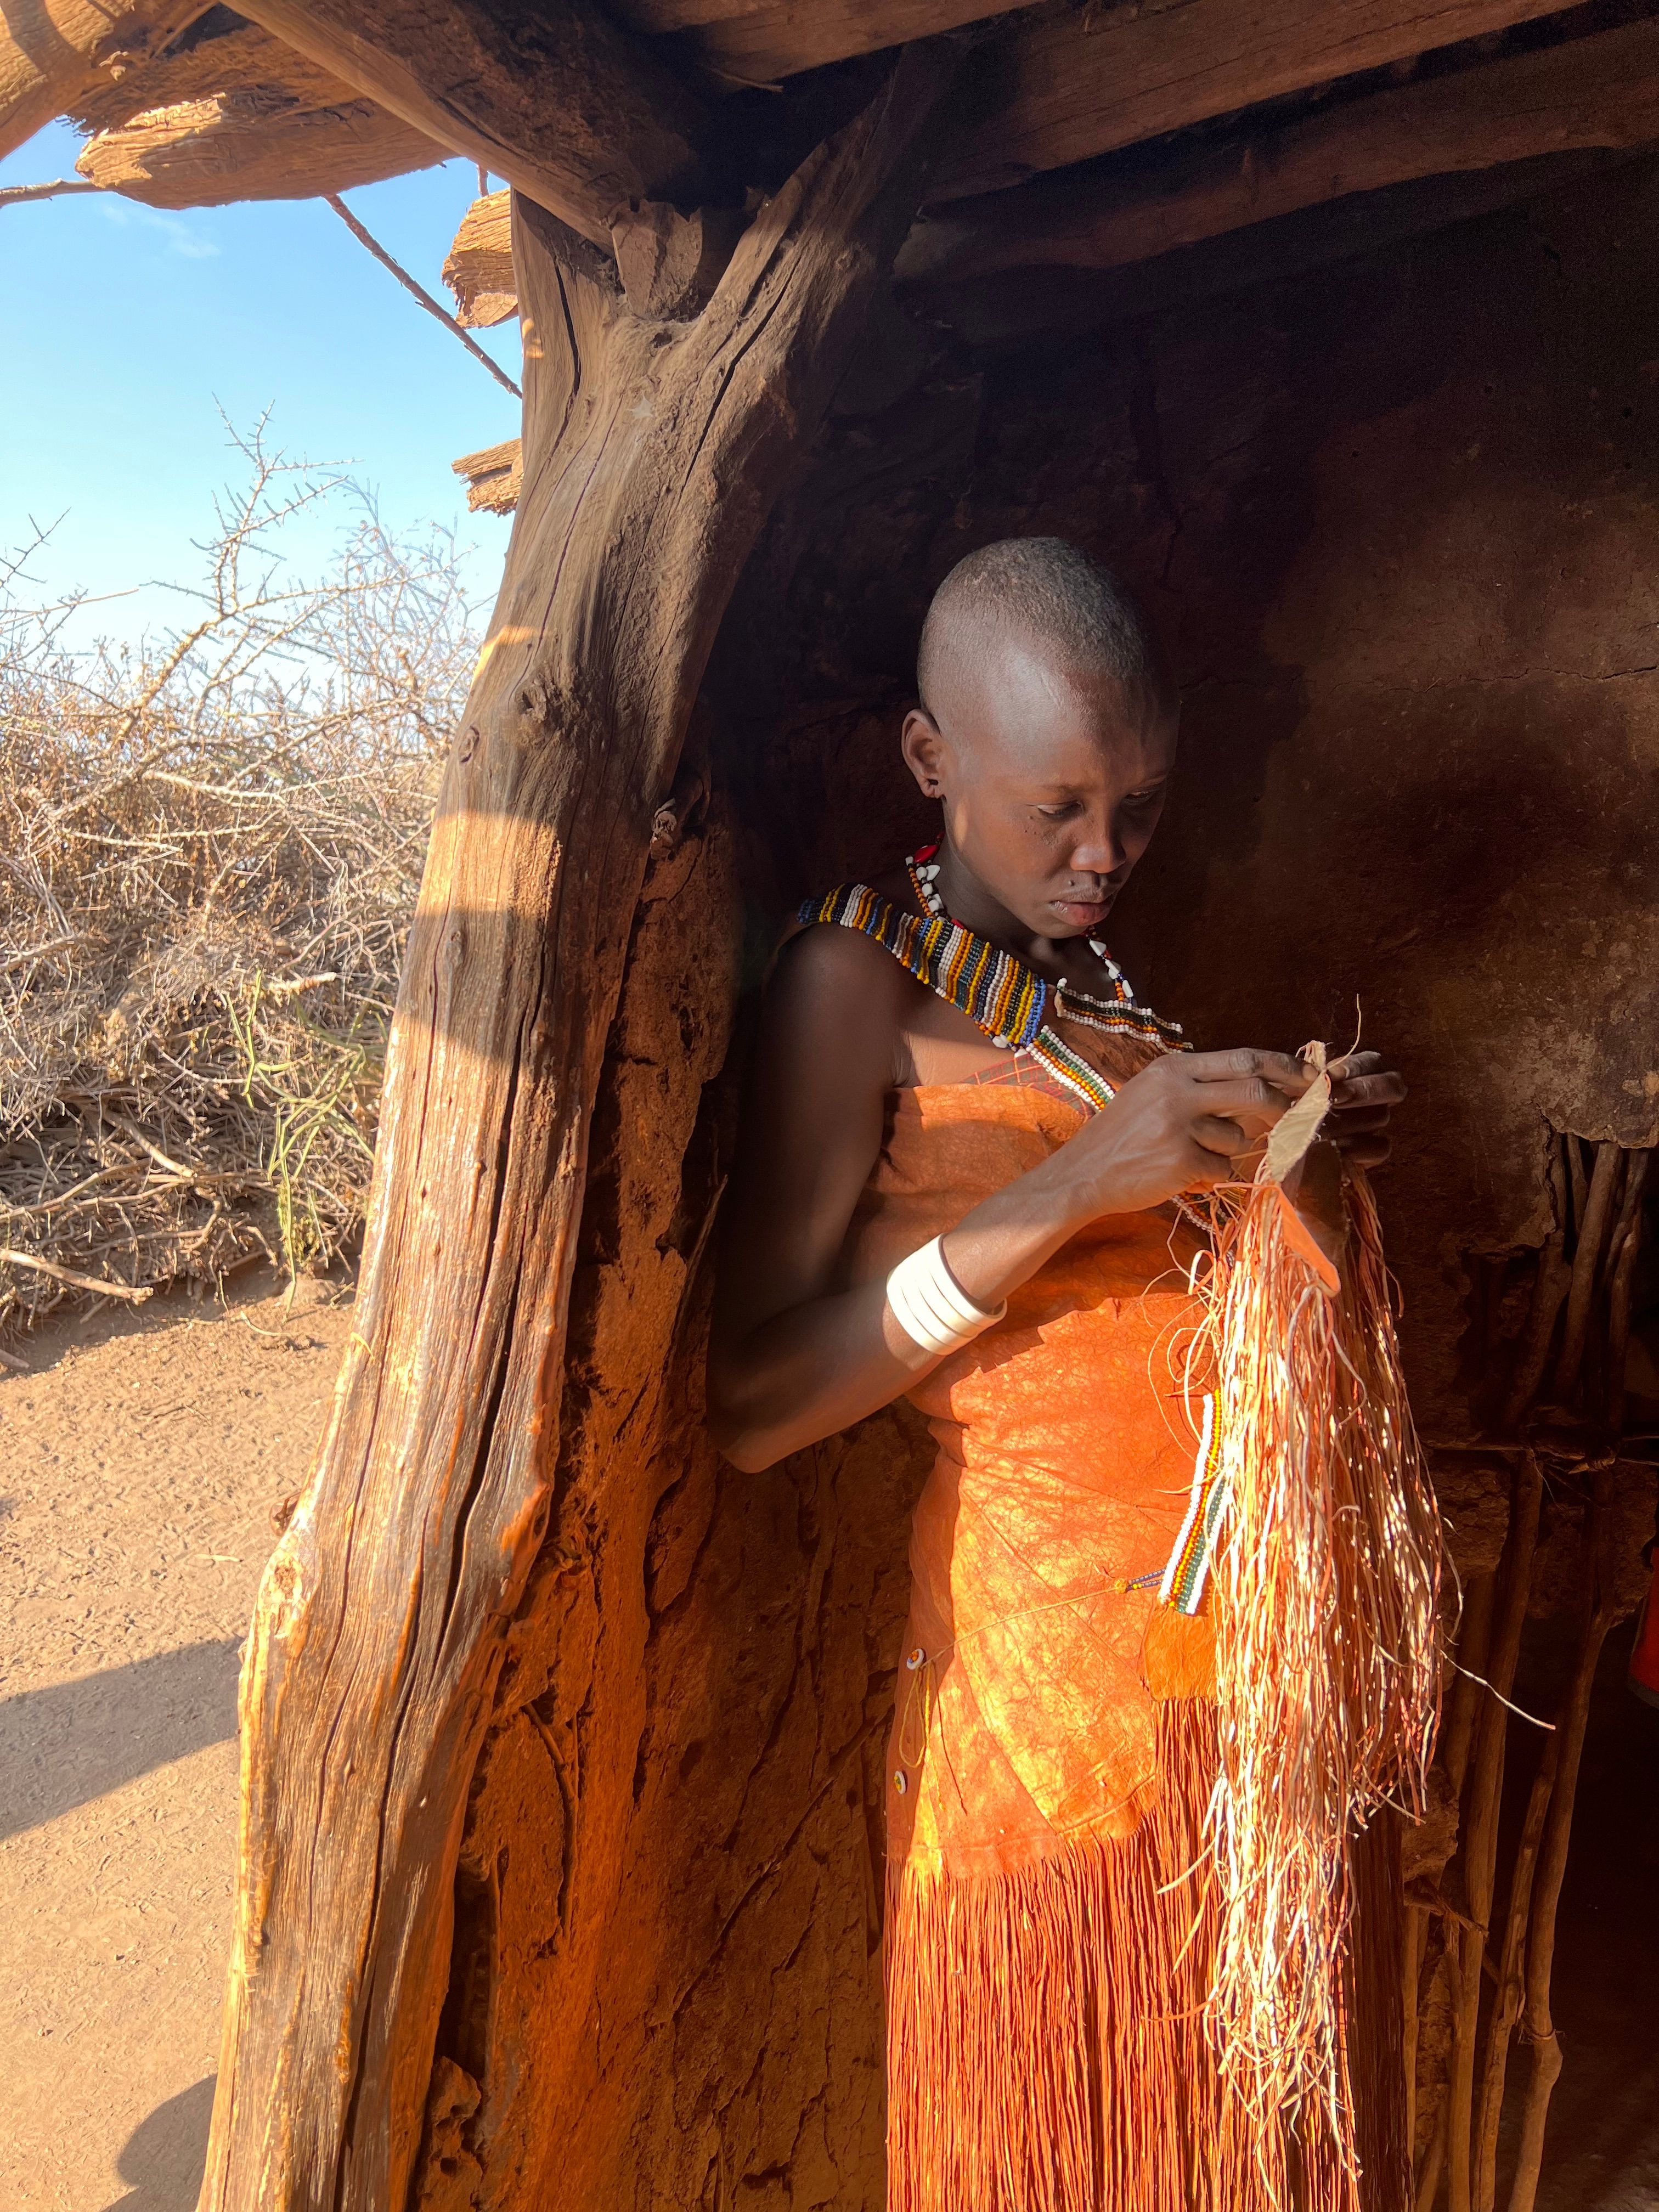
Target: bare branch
{"type": "Point", "coordinates": [419, 292]}
{"type": "Point", "coordinates": [102, 1287]}
{"type": "Point", "coordinates": [14, 195]}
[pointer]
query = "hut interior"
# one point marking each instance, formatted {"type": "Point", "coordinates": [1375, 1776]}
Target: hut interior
{"type": "Point", "coordinates": [1329, 323]}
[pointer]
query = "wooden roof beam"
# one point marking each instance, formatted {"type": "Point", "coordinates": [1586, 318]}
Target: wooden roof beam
{"type": "Point", "coordinates": [1596, 92]}
{"type": "Point", "coordinates": [209, 61]}
{"type": "Point", "coordinates": [1012, 306]}
{"type": "Point", "coordinates": [253, 145]}
{"type": "Point", "coordinates": [1067, 88]}
{"type": "Point", "coordinates": [758, 41]}
{"type": "Point", "coordinates": [53, 52]}
{"type": "Point", "coordinates": [581, 117]}
{"type": "Point", "coordinates": [227, 113]}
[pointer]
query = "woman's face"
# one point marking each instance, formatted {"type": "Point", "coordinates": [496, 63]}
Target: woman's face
{"type": "Point", "coordinates": [1052, 779]}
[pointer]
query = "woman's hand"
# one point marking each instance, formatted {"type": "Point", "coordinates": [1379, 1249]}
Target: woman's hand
{"type": "Point", "coordinates": [1179, 1125]}
{"type": "Point", "coordinates": [1364, 1093]}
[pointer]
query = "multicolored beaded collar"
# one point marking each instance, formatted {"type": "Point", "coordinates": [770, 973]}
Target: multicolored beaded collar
{"type": "Point", "coordinates": [1000, 994]}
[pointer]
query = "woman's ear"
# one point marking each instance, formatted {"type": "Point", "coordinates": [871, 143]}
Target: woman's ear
{"type": "Point", "coordinates": [922, 744]}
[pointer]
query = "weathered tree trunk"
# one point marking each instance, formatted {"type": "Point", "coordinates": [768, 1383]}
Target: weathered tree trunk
{"type": "Point", "coordinates": [652, 453]}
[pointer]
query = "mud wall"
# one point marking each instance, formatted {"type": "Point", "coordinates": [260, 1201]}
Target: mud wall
{"type": "Point", "coordinates": [1397, 520]}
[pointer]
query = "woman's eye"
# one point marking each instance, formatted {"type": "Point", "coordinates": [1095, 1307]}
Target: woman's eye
{"type": "Point", "coordinates": [1058, 813]}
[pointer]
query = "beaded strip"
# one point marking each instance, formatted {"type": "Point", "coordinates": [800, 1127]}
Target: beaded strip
{"type": "Point", "coordinates": [998, 994]}
{"type": "Point", "coordinates": [1182, 1585]}
{"type": "Point", "coordinates": [1071, 1068]}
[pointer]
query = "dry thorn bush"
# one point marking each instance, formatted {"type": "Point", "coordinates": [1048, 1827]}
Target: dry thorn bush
{"type": "Point", "coordinates": [209, 848]}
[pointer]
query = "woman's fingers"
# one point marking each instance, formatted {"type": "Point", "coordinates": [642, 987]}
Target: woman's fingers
{"type": "Point", "coordinates": [1382, 1088]}
{"type": "Point", "coordinates": [1350, 1120]}
{"type": "Point", "coordinates": [1232, 1097]}
{"type": "Point", "coordinates": [1364, 1150]}
{"type": "Point", "coordinates": [1240, 1094]}
{"type": "Point", "coordinates": [1361, 1078]}
{"type": "Point", "coordinates": [1216, 1134]}
{"type": "Point", "coordinates": [1245, 1061]}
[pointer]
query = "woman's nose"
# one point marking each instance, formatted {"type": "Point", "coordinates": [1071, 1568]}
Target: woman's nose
{"type": "Point", "coordinates": [1097, 852]}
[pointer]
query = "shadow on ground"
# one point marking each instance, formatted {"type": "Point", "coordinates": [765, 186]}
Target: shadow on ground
{"type": "Point", "coordinates": [162, 2160]}
{"type": "Point", "coordinates": [63, 1746]}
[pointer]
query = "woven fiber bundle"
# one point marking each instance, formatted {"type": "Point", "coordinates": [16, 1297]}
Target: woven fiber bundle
{"type": "Point", "coordinates": [1327, 1572]}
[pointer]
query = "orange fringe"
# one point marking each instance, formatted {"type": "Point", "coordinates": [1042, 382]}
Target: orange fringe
{"type": "Point", "coordinates": [1048, 2045]}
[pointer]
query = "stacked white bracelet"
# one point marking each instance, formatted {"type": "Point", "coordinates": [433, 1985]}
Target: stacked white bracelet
{"type": "Point", "coordinates": [930, 1306]}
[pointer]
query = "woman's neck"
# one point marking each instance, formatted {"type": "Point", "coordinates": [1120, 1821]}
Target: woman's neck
{"type": "Point", "coordinates": [975, 905]}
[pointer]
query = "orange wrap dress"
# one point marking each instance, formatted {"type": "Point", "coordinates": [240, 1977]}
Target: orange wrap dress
{"type": "Point", "coordinates": [1050, 1928]}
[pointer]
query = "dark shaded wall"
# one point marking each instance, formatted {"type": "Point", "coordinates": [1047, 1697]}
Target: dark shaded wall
{"type": "Point", "coordinates": [1398, 522]}
{"type": "Point", "coordinates": [1397, 519]}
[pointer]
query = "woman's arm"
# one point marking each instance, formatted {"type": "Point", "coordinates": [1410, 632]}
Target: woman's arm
{"type": "Point", "coordinates": [793, 1358]}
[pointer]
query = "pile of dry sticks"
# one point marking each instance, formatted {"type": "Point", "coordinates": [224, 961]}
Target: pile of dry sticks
{"type": "Point", "coordinates": [209, 847]}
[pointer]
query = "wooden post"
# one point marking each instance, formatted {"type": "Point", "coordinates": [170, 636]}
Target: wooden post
{"type": "Point", "coordinates": [1537, 2024]}
{"type": "Point", "coordinates": [1479, 1846]}
{"type": "Point", "coordinates": [652, 453]}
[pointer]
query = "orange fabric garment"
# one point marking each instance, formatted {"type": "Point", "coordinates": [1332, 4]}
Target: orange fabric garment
{"type": "Point", "coordinates": [1066, 1460]}
{"type": "Point", "coordinates": [1050, 1907]}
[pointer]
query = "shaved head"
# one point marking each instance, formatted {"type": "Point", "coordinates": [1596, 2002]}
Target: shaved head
{"type": "Point", "coordinates": [1038, 593]}
{"type": "Point", "coordinates": [1046, 731]}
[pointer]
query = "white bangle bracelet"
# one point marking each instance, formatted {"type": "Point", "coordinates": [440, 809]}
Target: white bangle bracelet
{"type": "Point", "coordinates": [930, 1306]}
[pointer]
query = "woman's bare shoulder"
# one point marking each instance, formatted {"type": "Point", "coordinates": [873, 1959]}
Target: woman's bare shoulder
{"type": "Point", "coordinates": [830, 1048]}
{"type": "Point", "coordinates": [829, 958]}
{"type": "Point", "coordinates": [841, 976]}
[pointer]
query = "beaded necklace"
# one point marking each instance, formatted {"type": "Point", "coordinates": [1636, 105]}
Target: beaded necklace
{"type": "Point", "coordinates": [1000, 994]}
{"type": "Point", "coordinates": [1118, 1013]}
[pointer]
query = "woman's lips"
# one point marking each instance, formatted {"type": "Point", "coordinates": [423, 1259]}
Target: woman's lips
{"type": "Point", "coordinates": [1083, 914]}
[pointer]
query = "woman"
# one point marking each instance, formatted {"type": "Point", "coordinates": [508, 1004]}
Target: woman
{"type": "Point", "coordinates": [961, 1182]}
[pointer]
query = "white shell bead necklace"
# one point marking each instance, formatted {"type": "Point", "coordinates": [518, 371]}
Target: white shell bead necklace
{"type": "Point", "coordinates": [926, 874]}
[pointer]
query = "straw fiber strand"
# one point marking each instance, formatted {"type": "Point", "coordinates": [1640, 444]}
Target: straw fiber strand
{"type": "Point", "coordinates": [1327, 1582]}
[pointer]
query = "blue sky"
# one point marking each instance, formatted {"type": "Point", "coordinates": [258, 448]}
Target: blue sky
{"type": "Point", "coordinates": [128, 330]}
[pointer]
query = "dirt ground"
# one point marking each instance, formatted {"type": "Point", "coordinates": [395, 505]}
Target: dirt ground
{"type": "Point", "coordinates": [140, 1460]}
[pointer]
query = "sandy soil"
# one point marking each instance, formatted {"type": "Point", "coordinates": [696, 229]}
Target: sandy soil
{"type": "Point", "coordinates": [140, 1461]}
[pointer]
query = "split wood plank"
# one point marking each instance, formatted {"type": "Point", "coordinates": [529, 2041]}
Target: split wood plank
{"type": "Point", "coordinates": [577, 115]}
{"type": "Point", "coordinates": [54, 52]}
{"type": "Point", "coordinates": [654, 453]}
{"type": "Point", "coordinates": [1601, 91]}
{"type": "Point", "coordinates": [254, 144]}
{"type": "Point", "coordinates": [1067, 89]}
{"type": "Point", "coordinates": [208, 63]}
{"type": "Point", "coordinates": [758, 41]}
{"type": "Point", "coordinates": [493, 477]}
{"type": "Point", "coordinates": [478, 269]}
